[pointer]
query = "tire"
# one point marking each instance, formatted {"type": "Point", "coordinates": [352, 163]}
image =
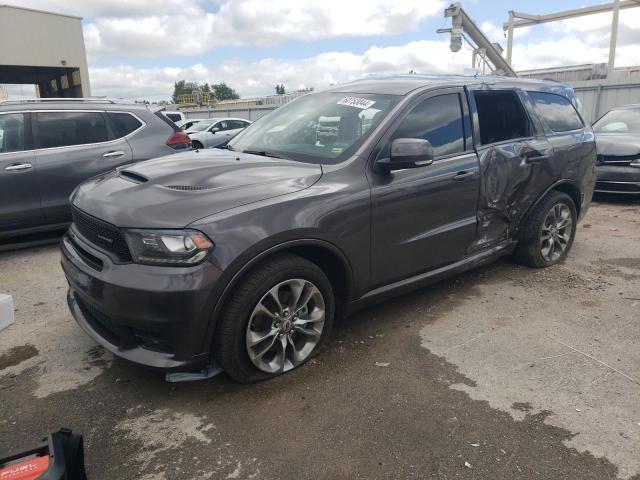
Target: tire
{"type": "Point", "coordinates": [196, 145]}
{"type": "Point", "coordinates": [249, 313]}
{"type": "Point", "coordinates": [541, 241]}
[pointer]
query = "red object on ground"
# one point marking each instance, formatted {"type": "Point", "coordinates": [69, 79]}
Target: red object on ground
{"type": "Point", "coordinates": [27, 470]}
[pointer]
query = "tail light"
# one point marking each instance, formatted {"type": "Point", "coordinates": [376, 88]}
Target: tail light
{"type": "Point", "coordinates": [179, 140]}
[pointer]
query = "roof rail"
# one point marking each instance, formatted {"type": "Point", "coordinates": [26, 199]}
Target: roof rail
{"type": "Point", "coordinates": [63, 100]}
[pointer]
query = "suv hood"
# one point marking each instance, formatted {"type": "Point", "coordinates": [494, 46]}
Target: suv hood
{"type": "Point", "coordinates": [618, 144]}
{"type": "Point", "coordinates": [174, 191]}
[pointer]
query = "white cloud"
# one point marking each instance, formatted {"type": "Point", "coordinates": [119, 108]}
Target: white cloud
{"type": "Point", "coordinates": [170, 27]}
{"type": "Point", "coordinates": [259, 78]}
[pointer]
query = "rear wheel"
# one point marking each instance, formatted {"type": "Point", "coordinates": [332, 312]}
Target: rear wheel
{"type": "Point", "coordinates": [546, 236]}
{"type": "Point", "coordinates": [275, 320]}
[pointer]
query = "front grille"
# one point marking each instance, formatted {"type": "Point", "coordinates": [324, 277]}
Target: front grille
{"type": "Point", "coordinates": [621, 160]}
{"type": "Point", "coordinates": [622, 187]}
{"type": "Point", "coordinates": [103, 235]}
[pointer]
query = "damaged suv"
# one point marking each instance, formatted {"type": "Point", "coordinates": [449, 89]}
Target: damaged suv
{"type": "Point", "coordinates": [246, 255]}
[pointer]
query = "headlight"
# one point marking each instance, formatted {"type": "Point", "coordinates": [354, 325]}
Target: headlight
{"type": "Point", "coordinates": [168, 247]}
{"type": "Point", "coordinates": [635, 163]}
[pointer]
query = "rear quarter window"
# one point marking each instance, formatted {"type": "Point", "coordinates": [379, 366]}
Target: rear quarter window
{"type": "Point", "coordinates": [123, 124]}
{"type": "Point", "coordinates": [556, 111]}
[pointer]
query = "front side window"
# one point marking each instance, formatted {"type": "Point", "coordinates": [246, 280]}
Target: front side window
{"type": "Point", "coordinates": [438, 120]}
{"type": "Point", "coordinates": [556, 111]}
{"type": "Point", "coordinates": [501, 116]}
{"type": "Point", "coordinates": [62, 129]}
{"type": "Point", "coordinates": [222, 126]}
{"type": "Point", "coordinates": [11, 132]}
{"type": "Point", "coordinates": [619, 121]}
{"type": "Point", "coordinates": [320, 127]}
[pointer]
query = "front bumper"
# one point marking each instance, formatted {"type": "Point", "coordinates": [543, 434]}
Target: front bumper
{"type": "Point", "coordinates": [618, 179]}
{"type": "Point", "coordinates": [159, 317]}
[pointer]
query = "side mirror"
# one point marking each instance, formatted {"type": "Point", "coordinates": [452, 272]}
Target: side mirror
{"type": "Point", "coordinates": [408, 153]}
{"type": "Point", "coordinates": [214, 130]}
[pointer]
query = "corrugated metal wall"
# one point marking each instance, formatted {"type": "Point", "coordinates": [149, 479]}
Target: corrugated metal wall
{"type": "Point", "coordinates": [600, 96]}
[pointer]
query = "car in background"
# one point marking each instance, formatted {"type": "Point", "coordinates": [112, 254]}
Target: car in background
{"type": "Point", "coordinates": [174, 116]}
{"type": "Point", "coordinates": [618, 142]}
{"type": "Point", "coordinates": [187, 124]}
{"type": "Point", "coordinates": [48, 147]}
{"type": "Point", "coordinates": [216, 131]}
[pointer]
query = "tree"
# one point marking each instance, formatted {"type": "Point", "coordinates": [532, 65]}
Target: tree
{"type": "Point", "coordinates": [182, 87]}
{"type": "Point", "coordinates": [223, 92]}
{"type": "Point", "coordinates": [280, 89]}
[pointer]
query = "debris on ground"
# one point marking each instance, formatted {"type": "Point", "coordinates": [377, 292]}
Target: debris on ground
{"type": "Point", "coordinates": [382, 364]}
{"type": "Point", "coordinates": [467, 464]}
{"type": "Point", "coordinates": [6, 310]}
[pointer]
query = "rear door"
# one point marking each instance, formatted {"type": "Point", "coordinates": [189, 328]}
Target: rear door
{"type": "Point", "coordinates": [424, 218]}
{"type": "Point", "coordinates": [515, 160]}
{"type": "Point", "coordinates": [19, 198]}
{"type": "Point", "coordinates": [73, 146]}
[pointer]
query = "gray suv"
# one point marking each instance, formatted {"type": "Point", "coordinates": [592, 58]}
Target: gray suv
{"type": "Point", "coordinates": [48, 147]}
{"type": "Point", "coordinates": [246, 255]}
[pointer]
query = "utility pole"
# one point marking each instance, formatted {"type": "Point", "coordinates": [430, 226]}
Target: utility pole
{"type": "Point", "coordinates": [510, 37]}
{"type": "Point", "coordinates": [614, 39]}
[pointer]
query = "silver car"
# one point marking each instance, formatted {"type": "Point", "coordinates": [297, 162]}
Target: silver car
{"type": "Point", "coordinates": [215, 131]}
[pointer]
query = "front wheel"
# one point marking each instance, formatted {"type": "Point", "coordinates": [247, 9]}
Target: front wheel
{"type": "Point", "coordinates": [546, 236]}
{"type": "Point", "coordinates": [196, 145]}
{"type": "Point", "coordinates": [275, 319]}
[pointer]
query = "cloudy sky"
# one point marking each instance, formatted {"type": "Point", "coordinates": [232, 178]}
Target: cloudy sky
{"type": "Point", "coordinates": [138, 48]}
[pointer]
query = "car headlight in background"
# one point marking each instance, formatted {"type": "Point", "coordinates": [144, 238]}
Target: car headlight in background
{"type": "Point", "coordinates": [168, 247]}
{"type": "Point", "coordinates": [635, 163]}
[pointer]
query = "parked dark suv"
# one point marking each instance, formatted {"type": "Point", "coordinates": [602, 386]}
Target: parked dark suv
{"type": "Point", "coordinates": [49, 146]}
{"type": "Point", "coordinates": [247, 254]}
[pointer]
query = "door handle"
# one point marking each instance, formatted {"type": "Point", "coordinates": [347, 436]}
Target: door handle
{"type": "Point", "coordinates": [118, 153]}
{"type": "Point", "coordinates": [18, 166]}
{"type": "Point", "coordinates": [533, 159]}
{"type": "Point", "coordinates": [463, 176]}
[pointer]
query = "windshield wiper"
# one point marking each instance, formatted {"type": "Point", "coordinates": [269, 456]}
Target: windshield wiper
{"type": "Point", "coordinates": [263, 153]}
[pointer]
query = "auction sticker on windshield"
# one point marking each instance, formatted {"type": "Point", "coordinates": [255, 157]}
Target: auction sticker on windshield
{"type": "Point", "coordinates": [362, 103]}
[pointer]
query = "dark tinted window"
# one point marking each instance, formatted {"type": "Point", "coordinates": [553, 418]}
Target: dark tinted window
{"type": "Point", "coordinates": [223, 125]}
{"type": "Point", "coordinates": [174, 117]}
{"type": "Point", "coordinates": [11, 132]}
{"type": "Point", "coordinates": [237, 124]}
{"type": "Point", "coordinates": [437, 119]}
{"type": "Point", "coordinates": [123, 124]}
{"type": "Point", "coordinates": [60, 129]}
{"type": "Point", "coordinates": [501, 116]}
{"type": "Point", "coordinates": [556, 111]}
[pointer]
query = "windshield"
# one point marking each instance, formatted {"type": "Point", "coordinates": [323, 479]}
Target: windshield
{"type": "Point", "coordinates": [619, 121]}
{"type": "Point", "coordinates": [319, 128]}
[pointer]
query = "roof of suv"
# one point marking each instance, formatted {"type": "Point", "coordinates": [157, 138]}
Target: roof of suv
{"type": "Point", "coordinates": [404, 84]}
{"type": "Point", "coordinates": [70, 104]}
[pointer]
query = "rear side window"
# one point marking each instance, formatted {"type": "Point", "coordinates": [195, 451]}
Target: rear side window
{"type": "Point", "coordinates": [12, 132]}
{"type": "Point", "coordinates": [123, 124]}
{"type": "Point", "coordinates": [501, 116]}
{"type": "Point", "coordinates": [62, 129]}
{"type": "Point", "coordinates": [556, 111]}
{"type": "Point", "coordinates": [438, 120]}
{"type": "Point", "coordinates": [174, 117]}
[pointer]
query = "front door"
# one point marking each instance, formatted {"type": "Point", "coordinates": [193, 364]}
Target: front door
{"type": "Point", "coordinates": [19, 198]}
{"type": "Point", "coordinates": [72, 147]}
{"type": "Point", "coordinates": [424, 218]}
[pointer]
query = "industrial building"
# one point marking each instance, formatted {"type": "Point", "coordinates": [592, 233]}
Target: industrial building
{"type": "Point", "coordinates": [51, 56]}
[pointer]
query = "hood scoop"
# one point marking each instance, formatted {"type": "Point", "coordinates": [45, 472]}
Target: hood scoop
{"type": "Point", "coordinates": [133, 177]}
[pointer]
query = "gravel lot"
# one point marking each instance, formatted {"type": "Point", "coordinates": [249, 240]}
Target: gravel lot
{"type": "Point", "coordinates": [502, 373]}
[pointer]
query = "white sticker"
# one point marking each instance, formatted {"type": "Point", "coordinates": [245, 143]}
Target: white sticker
{"type": "Point", "coordinates": [362, 103]}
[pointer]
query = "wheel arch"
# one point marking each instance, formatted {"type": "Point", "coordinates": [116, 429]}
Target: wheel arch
{"type": "Point", "coordinates": [565, 186]}
{"type": "Point", "coordinates": [329, 258]}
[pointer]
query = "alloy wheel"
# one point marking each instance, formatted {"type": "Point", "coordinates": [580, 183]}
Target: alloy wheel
{"type": "Point", "coordinates": [556, 232]}
{"type": "Point", "coordinates": [285, 326]}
